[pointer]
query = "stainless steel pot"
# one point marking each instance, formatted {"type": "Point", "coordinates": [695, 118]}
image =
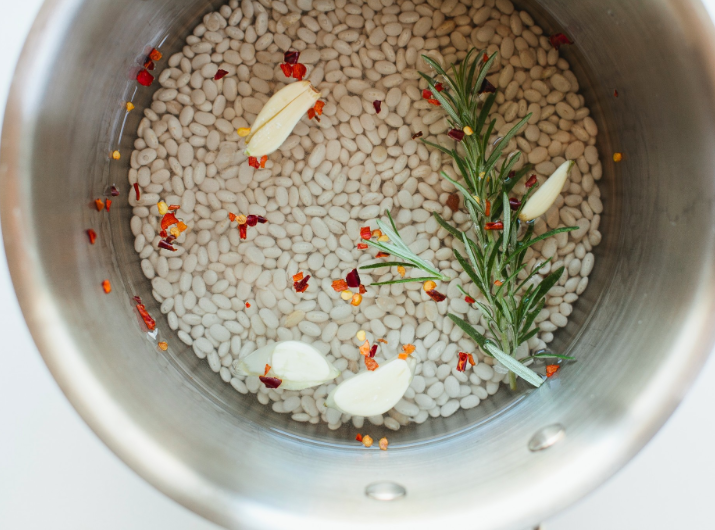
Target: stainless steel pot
{"type": "Point", "coordinates": [641, 332]}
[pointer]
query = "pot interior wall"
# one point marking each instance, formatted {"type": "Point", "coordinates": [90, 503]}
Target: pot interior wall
{"type": "Point", "coordinates": [176, 423]}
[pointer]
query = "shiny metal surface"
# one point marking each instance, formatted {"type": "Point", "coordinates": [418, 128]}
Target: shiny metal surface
{"type": "Point", "coordinates": [641, 332]}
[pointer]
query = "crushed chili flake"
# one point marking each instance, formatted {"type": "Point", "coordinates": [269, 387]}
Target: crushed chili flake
{"type": "Point", "coordinates": [439, 87]}
{"type": "Point", "coordinates": [243, 131]}
{"type": "Point", "coordinates": [311, 115]}
{"type": "Point", "coordinates": [469, 299]}
{"type": "Point", "coordinates": [488, 209]}
{"type": "Point", "coordinates": [267, 369]}
{"type": "Point", "coordinates": [498, 283]}
{"type": "Point", "coordinates": [377, 105]}
{"type": "Point", "coordinates": [270, 382]}
{"type": "Point", "coordinates": [107, 286]}
{"type": "Point", "coordinates": [485, 57]}
{"type": "Point", "coordinates": [358, 437]}
{"type": "Point", "coordinates": [253, 162]}
{"type": "Point", "coordinates": [144, 78]}
{"type": "Point", "coordinates": [453, 202]}
{"type": "Point", "coordinates": [382, 340]}
{"type": "Point", "coordinates": [401, 271]}
{"type": "Point", "coordinates": [383, 444]}
{"type": "Point", "coordinates": [382, 255]}
{"type": "Point", "coordinates": [615, 93]}
{"type": "Point", "coordinates": [155, 55]}
{"type": "Point", "coordinates": [434, 102]}
{"type": "Point", "coordinates": [291, 56]}
{"type": "Point", "coordinates": [319, 107]}
{"type": "Point", "coordinates": [231, 216]}
{"type": "Point", "coordinates": [362, 289]}
{"type": "Point", "coordinates": [456, 134]}
{"type": "Point", "coordinates": [116, 155]}
{"type": "Point", "coordinates": [168, 220]}
{"type": "Point", "coordinates": [287, 69]}
{"type": "Point", "coordinates": [248, 304]}
{"type": "Point", "coordinates": [552, 369]}
{"type": "Point", "coordinates": [373, 351]}
{"type": "Point", "coordinates": [298, 277]}
{"type": "Point", "coordinates": [371, 364]}
{"type": "Point", "coordinates": [356, 299]}
{"type": "Point", "coordinates": [181, 226]}
{"type": "Point", "coordinates": [166, 246]}
{"type": "Point", "coordinates": [136, 190]}
{"type": "Point", "coordinates": [361, 246]}
{"type": "Point", "coordinates": [220, 74]}
{"type": "Point", "coordinates": [174, 231]}
{"type": "Point", "coordinates": [487, 87]}
{"type": "Point", "coordinates": [150, 322]}
{"type": "Point", "coordinates": [532, 180]}
{"type": "Point", "coordinates": [367, 440]}
{"type": "Point", "coordinates": [377, 233]}
{"type": "Point", "coordinates": [302, 285]}
{"type": "Point", "coordinates": [435, 295]}
{"type": "Point", "coordinates": [514, 203]}
{"type": "Point", "coordinates": [163, 346]}
{"type": "Point", "coordinates": [426, 94]}
{"type": "Point", "coordinates": [365, 232]}
{"type": "Point", "coordinates": [114, 191]}
{"type": "Point", "coordinates": [264, 159]}
{"type": "Point", "coordinates": [418, 134]}
{"type": "Point", "coordinates": [92, 235]}
{"type": "Point", "coordinates": [108, 204]}
{"type": "Point", "coordinates": [353, 279]}
{"type": "Point", "coordinates": [403, 356]}
{"type": "Point", "coordinates": [299, 71]}
{"type": "Point", "coordinates": [251, 220]}
{"type": "Point", "coordinates": [364, 348]}
{"type": "Point", "coordinates": [408, 348]}
{"type": "Point", "coordinates": [129, 106]}
{"type": "Point", "coordinates": [99, 204]}
{"type": "Point", "coordinates": [429, 285]}
{"type": "Point", "coordinates": [261, 219]}
{"type": "Point", "coordinates": [462, 363]}
{"type": "Point", "coordinates": [559, 39]}
{"type": "Point", "coordinates": [617, 157]}
{"type": "Point", "coordinates": [497, 225]}
{"type": "Point", "coordinates": [174, 207]}
{"type": "Point", "coordinates": [339, 285]}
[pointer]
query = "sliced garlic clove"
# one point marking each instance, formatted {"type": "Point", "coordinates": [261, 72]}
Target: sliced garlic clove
{"type": "Point", "coordinates": [544, 197]}
{"type": "Point", "coordinates": [297, 364]}
{"type": "Point", "coordinates": [373, 393]}
{"type": "Point", "coordinates": [279, 117]}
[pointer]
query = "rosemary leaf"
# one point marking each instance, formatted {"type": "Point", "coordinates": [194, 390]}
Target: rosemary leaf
{"type": "Point", "coordinates": [552, 356]}
{"type": "Point", "coordinates": [408, 280]}
{"type": "Point", "coordinates": [386, 264]}
{"type": "Point", "coordinates": [448, 227]}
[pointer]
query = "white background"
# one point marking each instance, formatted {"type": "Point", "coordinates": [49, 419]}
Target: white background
{"type": "Point", "coordinates": [54, 472]}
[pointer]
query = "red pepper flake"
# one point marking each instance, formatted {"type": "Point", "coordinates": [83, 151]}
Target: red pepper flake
{"type": "Point", "coordinates": [359, 437]}
{"type": "Point", "coordinates": [551, 369]}
{"type": "Point", "coordinates": [319, 107]}
{"type": "Point", "coordinates": [469, 299]}
{"type": "Point", "coordinates": [439, 87]}
{"type": "Point", "coordinates": [339, 285]}
{"type": "Point", "coordinates": [166, 246]}
{"type": "Point", "coordinates": [418, 134]}
{"type": "Point", "coordinates": [365, 348]}
{"type": "Point", "coordinates": [163, 233]}
{"type": "Point", "coordinates": [231, 216]}
{"type": "Point", "coordinates": [435, 295]}
{"type": "Point", "coordinates": [113, 191]}
{"type": "Point", "coordinates": [383, 444]}
{"type": "Point", "coordinates": [426, 94]}
{"type": "Point", "coordinates": [361, 246]}
{"type": "Point", "coordinates": [471, 359]}
{"type": "Point", "coordinates": [252, 220]}
{"type": "Point", "coordinates": [462, 363]}
{"type": "Point", "coordinates": [615, 93]}
{"type": "Point", "coordinates": [485, 57]}
{"type": "Point", "coordinates": [487, 87]}
{"type": "Point", "coordinates": [163, 346]}
{"type": "Point", "coordinates": [299, 71]}
{"type": "Point", "coordinates": [155, 55]}
{"type": "Point", "coordinates": [287, 69]}
{"type": "Point", "coordinates": [270, 382]}
{"type": "Point", "coordinates": [488, 209]}
{"type": "Point", "coordinates": [99, 204]}
{"type": "Point", "coordinates": [267, 369]}
{"type": "Point", "coordinates": [264, 159]}
{"type": "Point", "coordinates": [136, 190]}
{"type": "Point", "coordinates": [168, 220]}
{"type": "Point", "coordinates": [261, 219]}
{"type": "Point", "coordinates": [92, 235]}
{"type": "Point", "coordinates": [149, 64]}
{"type": "Point", "coordinates": [291, 56]}
{"type": "Point", "coordinates": [353, 279]}
{"type": "Point", "coordinates": [107, 286]}
{"type": "Point", "coordinates": [298, 277]}
{"type": "Point", "coordinates": [362, 289]}
{"type": "Point", "coordinates": [498, 283]}
{"type": "Point", "coordinates": [453, 202]}
{"type": "Point", "coordinates": [144, 78]}
{"type": "Point", "coordinates": [220, 74]}
{"type": "Point", "coordinates": [248, 304]}
{"type": "Point", "coordinates": [377, 105]}
{"type": "Point", "coordinates": [434, 102]}
{"type": "Point", "coordinates": [498, 225]}
{"type": "Point", "coordinates": [109, 204]}
{"type": "Point", "coordinates": [253, 162]}
{"type": "Point", "coordinates": [302, 285]}
{"type": "Point", "coordinates": [150, 322]}
{"type": "Point", "coordinates": [311, 114]}
{"type": "Point", "coordinates": [373, 350]}
{"type": "Point", "coordinates": [456, 134]}
{"type": "Point", "coordinates": [367, 440]}
{"type": "Point", "coordinates": [532, 180]}
{"type": "Point", "coordinates": [382, 340]}
{"type": "Point", "coordinates": [558, 40]}
{"type": "Point", "coordinates": [408, 348]}
{"type": "Point", "coordinates": [514, 203]}
{"type": "Point", "coordinates": [382, 255]}
{"type": "Point", "coordinates": [371, 364]}
{"type": "Point", "coordinates": [243, 231]}
{"type": "Point", "coordinates": [365, 232]}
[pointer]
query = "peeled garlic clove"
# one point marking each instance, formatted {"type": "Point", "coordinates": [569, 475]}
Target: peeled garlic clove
{"type": "Point", "coordinates": [373, 393]}
{"type": "Point", "coordinates": [297, 364]}
{"type": "Point", "coordinates": [544, 197]}
{"type": "Point", "coordinates": [279, 117]}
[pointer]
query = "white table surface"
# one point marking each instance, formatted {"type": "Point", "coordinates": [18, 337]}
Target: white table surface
{"type": "Point", "coordinates": [55, 473]}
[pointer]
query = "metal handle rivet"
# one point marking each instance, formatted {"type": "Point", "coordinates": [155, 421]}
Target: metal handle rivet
{"type": "Point", "coordinates": [546, 437]}
{"type": "Point", "coordinates": [385, 491]}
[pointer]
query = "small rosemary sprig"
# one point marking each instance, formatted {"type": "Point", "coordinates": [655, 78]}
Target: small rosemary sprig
{"type": "Point", "coordinates": [496, 241]}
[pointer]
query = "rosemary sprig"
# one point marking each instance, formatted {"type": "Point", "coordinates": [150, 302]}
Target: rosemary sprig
{"type": "Point", "coordinates": [496, 242]}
